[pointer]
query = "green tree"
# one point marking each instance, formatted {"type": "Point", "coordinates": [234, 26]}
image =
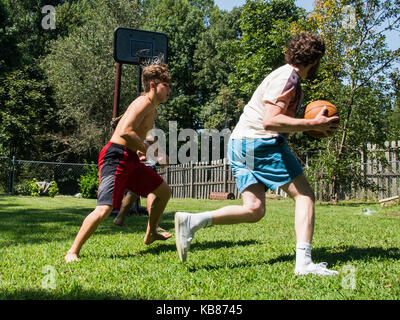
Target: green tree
{"type": "Point", "coordinates": [24, 90]}
{"type": "Point", "coordinates": [184, 22]}
{"type": "Point", "coordinates": [82, 70]}
{"type": "Point", "coordinates": [9, 54]}
{"type": "Point", "coordinates": [237, 52]}
{"type": "Point", "coordinates": [221, 107]}
{"type": "Point", "coordinates": [394, 114]}
{"type": "Point", "coordinates": [265, 27]}
{"type": "Point", "coordinates": [354, 75]}
{"type": "Point", "coordinates": [223, 111]}
{"type": "Point", "coordinates": [27, 114]}
{"type": "Point", "coordinates": [25, 21]}
{"type": "Point", "coordinates": [211, 57]}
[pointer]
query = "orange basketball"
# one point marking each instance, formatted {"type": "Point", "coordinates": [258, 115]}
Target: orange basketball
{"type": "Point", "coordinates": [311, 112]}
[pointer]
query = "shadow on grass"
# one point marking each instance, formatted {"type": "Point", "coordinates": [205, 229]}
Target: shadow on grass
{"type": "Point", "coordinates": [19, 225]}
{"type": "Point", "coordinates": [332, 256]}
{"type": "Point", "coordinates": [77, 294]}
{"type": "Point", "coordinates": [169, 245]}
{"type": "Point", "coordinates": [26, 226]}
{"type": "Point", "coordinates": [346, 204]}
{"type": "Point", "coordinates": [346, 254]}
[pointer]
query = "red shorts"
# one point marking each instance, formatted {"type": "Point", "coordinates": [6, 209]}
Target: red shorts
{"type": "Point", "coordinates": [121, 169]}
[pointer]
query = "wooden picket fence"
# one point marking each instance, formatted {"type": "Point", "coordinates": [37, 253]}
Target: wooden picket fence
{"type": "Point", "coordinates": [387, 177]}
{"type": "Point", "coordinates": [198, 180]}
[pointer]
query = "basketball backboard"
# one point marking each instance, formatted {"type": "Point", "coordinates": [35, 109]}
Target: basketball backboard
{"type": "Point", "coordinates": [133, 46]}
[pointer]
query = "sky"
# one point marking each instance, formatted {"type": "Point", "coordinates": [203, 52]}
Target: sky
{"type": "Point", "coordinates": [393, 38]}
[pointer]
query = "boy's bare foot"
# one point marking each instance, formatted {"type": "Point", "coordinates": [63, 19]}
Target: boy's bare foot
{"type": "Point", "coordinates": [70, 257]}
{"type": "Point", "coordinates": [159, 229]}
{"type": "Point", "coordinates": [119, 222]}
{"type": "Point", "coordinates": [150, 238]}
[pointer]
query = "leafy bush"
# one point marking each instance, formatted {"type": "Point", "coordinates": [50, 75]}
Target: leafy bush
{"type": "Point", "coordinates": [27, 188]}
{"type": "Point", "coordinates": [22, 188]}
{"type": "Point", "coordinates": [31, 188]}
{"type": "Point", "coordinates": [34, 189]}
{"type": "Point", "coordinates": [53, 190]}
{"type": "Point", "coordinates": [89, 182]}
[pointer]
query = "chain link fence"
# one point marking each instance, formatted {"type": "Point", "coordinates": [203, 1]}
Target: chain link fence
{"type": "Point", "coordinates": [14, 174]}
{"type": "Point", "coordinates": [196, 181]}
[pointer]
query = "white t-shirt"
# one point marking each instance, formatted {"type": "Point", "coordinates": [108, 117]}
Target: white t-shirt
{"type": "Point", "coordinates": [281, 84]}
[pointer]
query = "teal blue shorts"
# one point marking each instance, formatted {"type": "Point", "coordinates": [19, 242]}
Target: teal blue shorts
{"type": "Point", "coordinates": [266, 160]}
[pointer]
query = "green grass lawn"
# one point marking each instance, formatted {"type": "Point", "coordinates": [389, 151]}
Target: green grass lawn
{"type": "Point", "coordinates": [239, 262]}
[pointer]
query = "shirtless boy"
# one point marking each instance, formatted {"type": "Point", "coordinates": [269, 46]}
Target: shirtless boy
{"type": "Point", "coordinates": [120, 167]}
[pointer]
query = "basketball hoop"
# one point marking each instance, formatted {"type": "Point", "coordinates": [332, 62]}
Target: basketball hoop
{"type": "Point", "coordinates": [138, 47]}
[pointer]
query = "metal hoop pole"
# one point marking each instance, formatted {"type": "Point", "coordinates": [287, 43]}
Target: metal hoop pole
{"type": "Point", "coordinates": [117, 87]}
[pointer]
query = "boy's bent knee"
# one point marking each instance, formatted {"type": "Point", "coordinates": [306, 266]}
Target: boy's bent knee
{"type": "Point", "coordinates": [255, 213]}
{"type": "Point", "coordinates": [164, 191]}
{"type": "Point", "coordinates": [103, 212]}
{"type": "Point", "coordinates": [258, 215]}
{"type": "Point", "coordinates": [168, 191]}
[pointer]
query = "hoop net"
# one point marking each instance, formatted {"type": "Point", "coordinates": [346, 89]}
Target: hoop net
{"type": "Point", "coordinates": [146, 60]}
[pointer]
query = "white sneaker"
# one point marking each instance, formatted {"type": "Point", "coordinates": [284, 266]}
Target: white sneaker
{"type": "Point", "coordinates": [319, 269]}
{"type": "Point", "coordinates": [183, 235]}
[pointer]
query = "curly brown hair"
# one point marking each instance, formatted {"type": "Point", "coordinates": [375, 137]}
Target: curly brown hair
{"type": "Point", "coordinates": [304, 49]}
{"type": "Point", "coordinates": [157, 73]}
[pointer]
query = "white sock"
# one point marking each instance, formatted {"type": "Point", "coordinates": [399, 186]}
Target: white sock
{"type": "Point", "coordinates": [303, 254]}
{"type": "Point", "coordinates": [200, 220]}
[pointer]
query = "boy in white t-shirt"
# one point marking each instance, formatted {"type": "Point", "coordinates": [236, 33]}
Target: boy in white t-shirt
{"type": "Point", "coordinates": [260, 158]}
